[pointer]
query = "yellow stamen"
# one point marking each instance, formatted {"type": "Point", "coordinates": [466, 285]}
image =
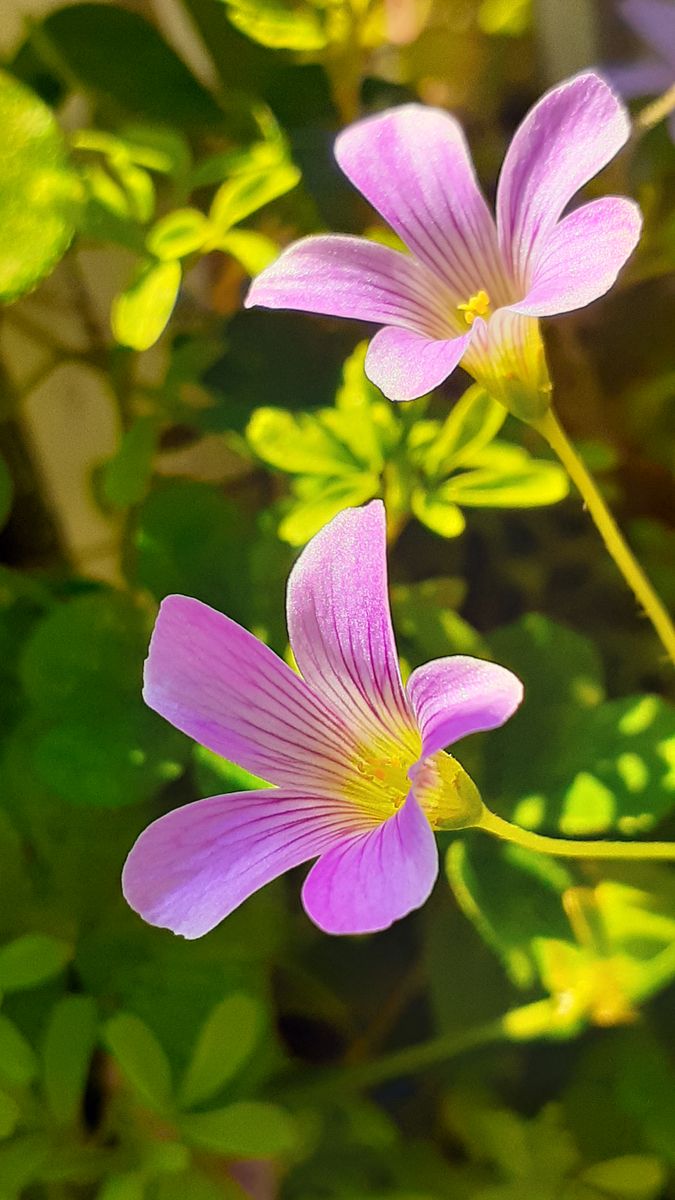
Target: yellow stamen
{"type": "Point", "coordinates": [476, 306]}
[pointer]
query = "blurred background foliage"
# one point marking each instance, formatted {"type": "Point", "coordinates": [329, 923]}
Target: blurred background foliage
{"type": "Point", "coordinates": [154, 437]}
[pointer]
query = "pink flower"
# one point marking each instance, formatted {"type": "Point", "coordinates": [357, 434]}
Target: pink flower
{"type": "Point", "coordinates": [360, 776]}
{"type": "Point", "coordinates": [654, 22]}
{"type": "Point", "coordinates": [471, 289]}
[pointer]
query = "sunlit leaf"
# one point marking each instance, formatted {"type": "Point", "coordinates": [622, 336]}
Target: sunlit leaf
{"type": "Point", "coordinates": [225, 1042]}
{"type": "Point", "coordinates": [253, 250]}
{"type": "Point", "coordinates": [140, 313]}
{"type": "Point", "coordinates": [178, 234]}
{"type": "Point", "coordinates": [38, 190]}
{"type": "Point", "coordinates": [438, 514]}
{"type": "Point", "coordinates": [308, 515]}
{"type": "Point", "coordinates": [473, 422]}
{"type": "Point", "coordinates": [247, 1129]}
{"type": "Point", "coordinates": [289, 24]}
{"type": "Point", "coordinates": [141, 1058]}
{"type": "Point", "coordinates": [249, 191]}
{"type": "Point", "coordinates": [524, 485]}
{"type": "Point", "coordinates": [299, 443]}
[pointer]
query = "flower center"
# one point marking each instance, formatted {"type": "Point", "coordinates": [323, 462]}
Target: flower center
{"type": "Point", "coordinates": [384, 776]}
{"type": "Point", "coordinates": [476, 306]}
{"type": "Point", "coordinates": [447, 795]}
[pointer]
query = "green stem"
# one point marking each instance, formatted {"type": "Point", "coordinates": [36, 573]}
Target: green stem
{"type": "Point", "coordinates": [550, 429]}
{"type": "Point", "coordinates": [409, 1061]}
{"type": "Point", "coordinates": [564, 848]}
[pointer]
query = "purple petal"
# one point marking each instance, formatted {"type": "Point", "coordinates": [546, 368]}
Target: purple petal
{"type": "Point", "coordinates": [351, 277]}
{"type": "Point", "coordinates": [220, 685]}
{"type": "Point", "coordinates": [340, 626]}
{"type": "Point", "coordinates": [406, 365]}
{"type": "Point", "coordinates": [564, 141]}
{"type": "Point", "coordinates": [582, 257]}
{"type": "Point", "coordinates": [413, 165]}
{"type": "Point", "coordinates": [640, 78]}
{"type": "Point", "coordinates": [375, 878]}
{"type": "Point", "coordinates": [452, 697]}
{"type": "Point", "coordinates": [654, 21]}
{"type": "Point", "coordinates": [194, 866]}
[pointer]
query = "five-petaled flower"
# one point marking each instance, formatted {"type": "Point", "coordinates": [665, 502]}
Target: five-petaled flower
{"type": "Point", "coordinates": [471, 289]}
{"type": "Point", "coordinates": [361, 775]}
{"type": "Point", "coordinates": [654, 21]}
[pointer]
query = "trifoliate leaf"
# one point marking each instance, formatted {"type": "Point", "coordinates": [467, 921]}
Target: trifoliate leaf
{"type": "Point", "coordinates": [285, 24]}
{"type": "Point", "coordinates": [473, 422]}
{"type": "Point", "coordinates": [439, 515]}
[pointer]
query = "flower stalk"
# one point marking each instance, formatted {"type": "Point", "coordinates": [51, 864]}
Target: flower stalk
{"type": "Point", "coordinates": [569, 848]}
{"type": "Point", "coordinates": [550, 429]}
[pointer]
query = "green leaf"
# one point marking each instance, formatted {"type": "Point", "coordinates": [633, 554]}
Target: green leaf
{"type": "Point", "coordinates": [226, 1040]}
{"type": "Point", "coordinates": [190, 539]}
{"type": "Point", "coordinates": [216, 774]}
{"type": "Point", "coordinates": [309, 514]}
{"type": "Point", "coordinates": [178, 234]}
{"type": "Point", "coordinates": [127, 1186]}
{"type": "Point", "coordinates": [140, 313]}
{"type": "Point", "coordinates": [283, 25]}
{"type": "Point", "coordinates": [31, 960]}
{"type": "Point", "coordinates": [93, 40]}
{"type": "Point", "coordinates": [439, 515]}
{"type": "Point", "coordinates": [511, 895]}
{"type": "Point", "coordinates": [18, 1064]}
{"type": "Point", "coordinates": [245, 194]}
{"type": "Point", "coordinates": [69, 1045]}
{"type": "Point", "coordinates": [253, 250]}
{"type": "Point", "coordinates": [473, 422]}
{"type": "Point", "coordinates": [126, 477]}
{"type": "Point", "coordinates": [427, 624]}
{"type": "Point", "coordinates": [9, 1115]}
{"type": "Point", "coordinates": [38, 191]}
{"type": "Point", "coordinates": [370, 430]}
{"type": "Point", "coordinates": [630, 1177]}
{"type": "Point", "coordinates": [506, 484]}
{"type": "Point", "coordinates": [247, 1129]}
{"type": "Point", "coordinates": [141, 1058]}
{"type": "Point", "coordinates": [6, 492]}
{"type": "Point", "coordinates": [93, 740]}
{"type": "Point", "coordinates": [300, 444]}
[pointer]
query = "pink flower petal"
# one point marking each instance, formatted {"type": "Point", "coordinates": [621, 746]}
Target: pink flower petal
{"type": "Point", "coordinates": [452, 697]}
{"type": "Point", "coordinates": [654, 21]}
{"type": "Point", "coordinates": [375, 878]}
{"type": "Point", "coordinates": [406, 365]}
{"type": "Point", "coordinates": [340, 626]}
{"type": "Point", "coordinates": [582, 257]}
{"type": "Point", "coordinates": [564, 141]}
{"type": "Point", "coordinates": [220, 685]}
{"type": "Point", "coordinates": [413, 165]}
{"type": "Point", "coordinates": [352, 277]}
{"type": "Point", "coordinates": [194, 866]}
